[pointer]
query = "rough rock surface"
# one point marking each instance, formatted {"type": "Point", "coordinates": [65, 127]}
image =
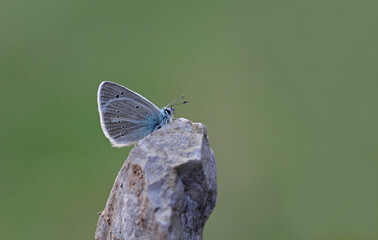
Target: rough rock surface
{"type": "Point", "coordinates": [166, 189]}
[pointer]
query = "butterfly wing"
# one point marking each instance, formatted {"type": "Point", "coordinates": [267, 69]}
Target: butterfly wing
{"type": "Point", "coordinates": [108, 91]}
{"type": "Point", "coordinates": [126, 116]}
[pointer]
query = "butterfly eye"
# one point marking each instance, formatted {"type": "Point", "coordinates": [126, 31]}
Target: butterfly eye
{"type": "Point", "coordinates": [168, 111]}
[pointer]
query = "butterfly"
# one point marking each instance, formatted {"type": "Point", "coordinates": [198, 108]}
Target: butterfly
{"type": "Point", "coordinates": [127, 117]}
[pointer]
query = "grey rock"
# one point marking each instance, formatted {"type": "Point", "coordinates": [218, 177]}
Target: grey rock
{"type": "Point", "coordinates": [166, 189]}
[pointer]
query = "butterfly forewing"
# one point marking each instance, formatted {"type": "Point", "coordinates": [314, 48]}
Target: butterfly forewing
{"type": "Point", "coordinates": [109, 91]}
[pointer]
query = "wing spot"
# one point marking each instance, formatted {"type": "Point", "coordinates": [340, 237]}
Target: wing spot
{"type": "Point", "coordinates": [123, 126]}
{"type": "Point", "coordinates": [117, 116]}
{"type": "Point", "coordinates": [119, 121]}
{"type": "Point", "coordinates": [136, 106]}
{"type": "Point", "coordinates": [122, 135]}
{"type": "Point", "coordinates": [117, 111]}
{"type": "Point", "coordinates": [121, 93]}
{"type": "Point", "coordinates": [117, 96]}
{"type": "Point", "coordinates": [146, 112]}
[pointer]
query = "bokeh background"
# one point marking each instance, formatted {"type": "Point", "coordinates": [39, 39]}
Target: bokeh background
{"type": "Point", "coordinates": [287, 89]}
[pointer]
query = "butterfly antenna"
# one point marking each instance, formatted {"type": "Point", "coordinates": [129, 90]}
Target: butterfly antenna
{"type": "Point", "coordinates": [186, 101]}
{"type": "Point", "coordinates": [172, 103]}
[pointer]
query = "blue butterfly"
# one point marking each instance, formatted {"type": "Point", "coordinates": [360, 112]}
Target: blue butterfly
{"type": "Point", "coordinates": [127, 117]}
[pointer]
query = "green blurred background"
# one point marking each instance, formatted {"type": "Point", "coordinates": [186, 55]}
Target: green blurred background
{"type": "Point", "coordinates": [287, 89]}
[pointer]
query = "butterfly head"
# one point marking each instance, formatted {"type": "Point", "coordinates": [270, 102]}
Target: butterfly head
{"type": "Point", "coordinates": [169, 111]}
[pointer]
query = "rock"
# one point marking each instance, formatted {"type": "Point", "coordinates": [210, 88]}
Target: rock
{"type": "Point", "coordinates": [166, 189]}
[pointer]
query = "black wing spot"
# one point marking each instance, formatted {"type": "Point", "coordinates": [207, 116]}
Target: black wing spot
{"type": "Point", "coordinates": [121, 93]}
{"type": "Point", "coordinates": [136, 106]}
{"type": "Point", "coordinates": [122, 135]}
{"type": "Point", "coordinates": [117, 111]}
{"type": "Point", "coordinates": [146, 112]}
{"type": "Point", "coordinates": [123, 126]}
{"type": "Point", "coordinates": [117, 96]}
{"type": "Point", "coordinates": [119, 121]}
